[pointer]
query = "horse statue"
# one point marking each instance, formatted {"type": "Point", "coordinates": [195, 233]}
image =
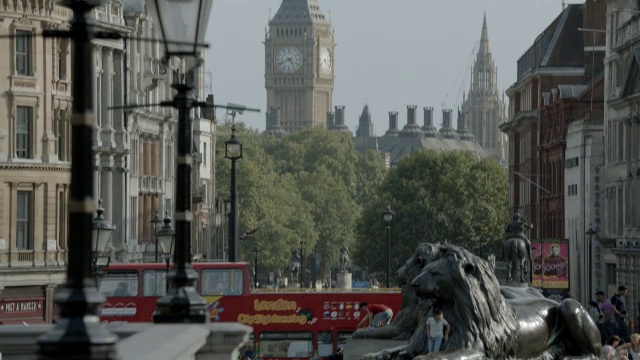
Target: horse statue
{"type": "Point", "coordinates": [517, 247]}
{"type": "Point", "coordinates": [345, 261]}
{"type": "Point", "coordinates": [294, 266]}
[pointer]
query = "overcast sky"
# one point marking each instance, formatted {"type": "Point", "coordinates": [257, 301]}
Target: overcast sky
{"type": "Point", "coordinates": [389, 54]}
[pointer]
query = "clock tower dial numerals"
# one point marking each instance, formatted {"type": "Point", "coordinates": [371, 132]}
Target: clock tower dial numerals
{"type": "Point", "coordinates": [288, 59]}
{"type": "Point", "coordinates": [325, 60]}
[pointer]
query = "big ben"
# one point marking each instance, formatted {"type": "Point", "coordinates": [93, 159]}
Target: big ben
{"type": "Point", "coordinates": [299, 64]}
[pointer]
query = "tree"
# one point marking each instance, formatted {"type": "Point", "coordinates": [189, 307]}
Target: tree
{"type": "Point", "coordinates": [437, 197]}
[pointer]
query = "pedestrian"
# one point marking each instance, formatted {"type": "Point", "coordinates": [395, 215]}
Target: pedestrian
{"type": "Point", "coordinates": [607, 323]}
{"type": "Point", "coordinates": [608, 351]}
{"type": "Point", "coordinates": [376, 315]}
{"type": "Point", "coordinates": [248, 355]}
{"type": "Point", "coordinates": [594, 312]}
{"type": "Point", "coordinates": [620, 312]}
{"type": "Point", "coordinates": [437, 330]}
{"type": "Point", "coordinates": [632, 347]}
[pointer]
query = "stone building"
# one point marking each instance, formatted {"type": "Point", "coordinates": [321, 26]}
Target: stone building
{"type": "Point", "coordinates": [556, 57]}
{"type": "Point", "coordinates": [397, 144]}
{"type": "Point", "coordinates": [484, 110]}
{"type": "Point", "coordinates": [619, 234]}
{"type": "Point", "coordinates": [299, 64]}
{"type": "Point", "coordinates": [34, 159]}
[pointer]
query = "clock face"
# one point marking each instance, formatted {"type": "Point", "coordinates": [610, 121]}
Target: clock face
{"type": "Point", "coordinates": [325, 60]}
{"type": "Point", "coordinates": [288, 59]}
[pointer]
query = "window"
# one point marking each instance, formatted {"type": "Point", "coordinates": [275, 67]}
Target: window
{"type": "Point", "coordinates": [154, 283]}
{"type": "Point", "coordinates": [24, 235]}
{"type": "Point", "coordinates": [61, 136]}
{"type": "Point", "coordinates": [23, 53]}
{"type": "Point", "coordinates": [119, 284]}
{"type": "Point", "coordinates": [325, 344]}
{"type": "Point", "coordinates": [612, 276]}
{"type": "Point", "coordinates": [286, 344]}
{"type": "Point", "coordinates": [222, 282]}
{"type": "Point", "coordinates": [62, 59]}
{"type": "Point", "coordinates": [24, 117]}
{"type": "Point", "coordinates": [204, 154]}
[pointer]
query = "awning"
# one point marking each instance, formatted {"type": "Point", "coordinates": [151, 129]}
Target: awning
{"type": "Point", "coordinates": [25, 322]}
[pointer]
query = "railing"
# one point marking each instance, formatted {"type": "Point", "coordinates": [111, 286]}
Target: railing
{"type": "Point", "coordinates": [627, 32]}
{"type": "Point", "coordinates": [151, 184]}
{"type": "Point", "coordinates": [532, 58]}
{"type": "Point", "coordinates": [25, 256]}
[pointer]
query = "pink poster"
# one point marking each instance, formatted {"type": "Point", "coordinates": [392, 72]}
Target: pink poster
{"type": "Point", "coordinates": [550, 264]}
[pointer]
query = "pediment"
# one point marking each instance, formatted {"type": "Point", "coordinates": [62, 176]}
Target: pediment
{"type": "Point", "coordinates": [632, 84]}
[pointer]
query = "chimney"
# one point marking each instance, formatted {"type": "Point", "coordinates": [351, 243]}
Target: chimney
{"type": "Point", "coordinates": [428, 129]}
{"type": "Point", "coordinates": [393, 124]}
{"type": "Point", "coordinates": [411, 115]}
{"type": "Point", "coordinates": [330, 120]}
{"type": "Point", "coordinates": [463, 133]}
{"type": "Point", "coordinates": [339, 115]}
{"type": "Point", "coordinates": [447, 131]}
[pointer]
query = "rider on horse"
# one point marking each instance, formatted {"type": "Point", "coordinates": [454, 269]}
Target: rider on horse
{"type": "Point", "coordinates": [517, 228]}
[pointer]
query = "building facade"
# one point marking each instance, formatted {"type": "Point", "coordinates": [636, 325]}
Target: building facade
{"type": "Point", "coordinates": [484, 109]}
{"type": "Point", "coordinates": [299, 64]}
{"type": "Point", "coordinates": [34, 159]}
{"type": "Point", "coordinates": [619, 235]}
{"type": "Point", "coordinates": [555, 58]}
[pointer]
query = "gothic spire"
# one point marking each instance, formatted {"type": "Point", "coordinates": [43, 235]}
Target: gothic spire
{"type": "Point", "coordinates": [484, 38]}
{"type": "Point", "coordinates": [300, 12]}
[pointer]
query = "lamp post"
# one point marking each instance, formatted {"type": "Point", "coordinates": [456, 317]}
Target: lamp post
{"type": "Point", "coordinates": [233, 152]}
{"type": "Point", "coordinates": [255, 267]}
{"type": "Point", "coordinates": [79, 334]}
{"type": "Point", "coordinates": [589, 264]}
{"type": "Point", "coordinates": [155, 221]}
{"type": "Point", "coordinates": [387, 216]}
{"type": "Point", "coordinates": [224, 248]}
{"type": "Point", "coordinates": [182, 24]}
{"type": "Point", "coordinates": [101, 232]}
{"type": "Point", "coordinates": [301, 264]}
{"type": "Point", "coordinates": [165, 236]}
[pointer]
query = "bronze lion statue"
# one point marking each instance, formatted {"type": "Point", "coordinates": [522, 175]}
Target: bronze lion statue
{"type": "Point", "coordinates": [485, 325]}
{"type": "Point", "coordinates": [405, 325]}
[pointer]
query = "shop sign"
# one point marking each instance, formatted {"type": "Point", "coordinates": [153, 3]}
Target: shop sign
{"type": "Point", "coordinates": [20, 308]}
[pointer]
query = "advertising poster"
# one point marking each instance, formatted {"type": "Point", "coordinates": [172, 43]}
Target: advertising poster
{"type": "Point", "coordinates": [551, 266]}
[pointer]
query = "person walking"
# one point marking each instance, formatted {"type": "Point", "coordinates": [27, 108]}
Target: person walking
{"type": "Point", "coordinates": [437, 330]}
{"type": "Point", "coordinates": [620, 312]}
{"type": "Point", "coordinates": [606, 324]}
{"type": "Point", "coordinates": [594, 312]}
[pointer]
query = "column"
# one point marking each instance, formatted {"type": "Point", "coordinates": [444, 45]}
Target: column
{"type": "Point", "coordinates": [118, 98]}
{"type": "Point", "coordinates": [148, 211]}
{"type": "Point", "coordinates": [156, 157]}
{"type": "Point", "coordinates": [120, 197]}
{"type": "Point", "coordinates": [107, 88]}
{"type": "Point", "coordinates": [148, 157]}
{"type": "Point", "coordinates": [106, 185]}
{"type": "Point", "coordinates": [140, 59]}
{"type": "Point", "coordinates": [140, 218]}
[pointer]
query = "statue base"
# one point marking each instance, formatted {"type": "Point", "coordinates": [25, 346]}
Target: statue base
{"type": "Point", "coordinates": [343, 280]}
{"type": "Point", "coordinates": [514, 284]}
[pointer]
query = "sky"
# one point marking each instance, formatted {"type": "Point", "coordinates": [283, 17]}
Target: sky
{"type": "Point", "coordinates": [389, 54]}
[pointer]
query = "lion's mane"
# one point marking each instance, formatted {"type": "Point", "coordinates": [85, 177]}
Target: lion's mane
{"type": "Point", "coordinates": [476, 309]}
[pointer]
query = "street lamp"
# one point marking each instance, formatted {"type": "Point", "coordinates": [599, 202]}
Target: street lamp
{"type": "Point", "coordinates": [155, 221]}
{"type": "Point", "coordinates": [101, 232]}
{"type": "Point", "coordinates": [182, 25]}
{"type": "Point", "coordinates": [233, 152]}
{"type": "Point", "coordinates": [588, 263]}
{"type": "Point", "coordinates": [164, 237]}
{"type": "Point", "coordinates": [387, 216]}
{"type": "Point", "coordinates": [79, 333]}
{"type": "Point", "coordinates": [255, 266]}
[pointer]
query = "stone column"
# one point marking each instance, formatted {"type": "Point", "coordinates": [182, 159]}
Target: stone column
{"type": "Point", "coordinates": [148, 212]}
{"type": "Point", "coordinates": [148, 157]}
{"type": "Point", "coordinates": [119, 203]}
{"type": "Point", "coordinates": [141, 55]}
{"type": "Point", "coordinates": [106, 185]}
{"type": "Point", "coordinates": [118, 98]}
{"type": "Point", "coordinates": [106, 134]}
{"type": "Point", "coordinates": [140, 217]}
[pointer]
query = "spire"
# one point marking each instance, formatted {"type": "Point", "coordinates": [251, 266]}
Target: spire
{"type": "Point", "coordinates": [484, 38]}
{"type": "Point", "coordinates": [365, 127]}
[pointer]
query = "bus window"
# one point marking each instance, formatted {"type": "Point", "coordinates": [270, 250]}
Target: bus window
{"type": "Point", "coordinates": [228, 282]}
{"type": "Point", "coordinates": [286, 344]}
{"type": "Point", "coordinates": [119, 284]}
{"type": "Point", "coordinates": [343, 336]}
{"type": "Point", "coordinates": [154, 282]}
{"type": "Point", "coordinates": [325, 344]}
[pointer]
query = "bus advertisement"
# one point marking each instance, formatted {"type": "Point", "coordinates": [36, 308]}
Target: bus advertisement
{"type": "Point", "coordinates": [287, 323]}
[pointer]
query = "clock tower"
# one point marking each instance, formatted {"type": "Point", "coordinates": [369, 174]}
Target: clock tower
{"type": "Point", "coordinates": [299, 64]}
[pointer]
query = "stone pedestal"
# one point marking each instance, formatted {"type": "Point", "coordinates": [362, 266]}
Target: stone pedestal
{"type": "Point", "coordinates": [343, 280]}
{"type": "Point", "coordinates": [356, 348]}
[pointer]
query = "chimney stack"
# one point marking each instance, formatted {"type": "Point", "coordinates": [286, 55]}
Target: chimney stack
{"type": "Point", "coordinates": [273, 122]}
{"type": "Point", "coordinates": [447, 131]}
{"type": "Point", "coordinates": [463, 133]}
{"type": "Point", "coordinates": [330, 120]}
{"type": "Point", "coordinates": [412, 129]}
{"type": "Point", "coordinates": [428, 129]}
{"type": "Point", "coordinates": [411, 115]}
{"type": "Point", "coordinates": [393, 124]}
{"type": "Point", "coordinates": [339, 120]}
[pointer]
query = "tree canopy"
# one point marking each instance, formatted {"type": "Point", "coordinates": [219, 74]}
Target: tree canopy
{"type": "Point", "coordinates": [437, 197]}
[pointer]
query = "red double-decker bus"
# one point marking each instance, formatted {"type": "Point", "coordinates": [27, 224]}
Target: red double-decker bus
{"type": "Point", "coordinates": [287, 323]}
